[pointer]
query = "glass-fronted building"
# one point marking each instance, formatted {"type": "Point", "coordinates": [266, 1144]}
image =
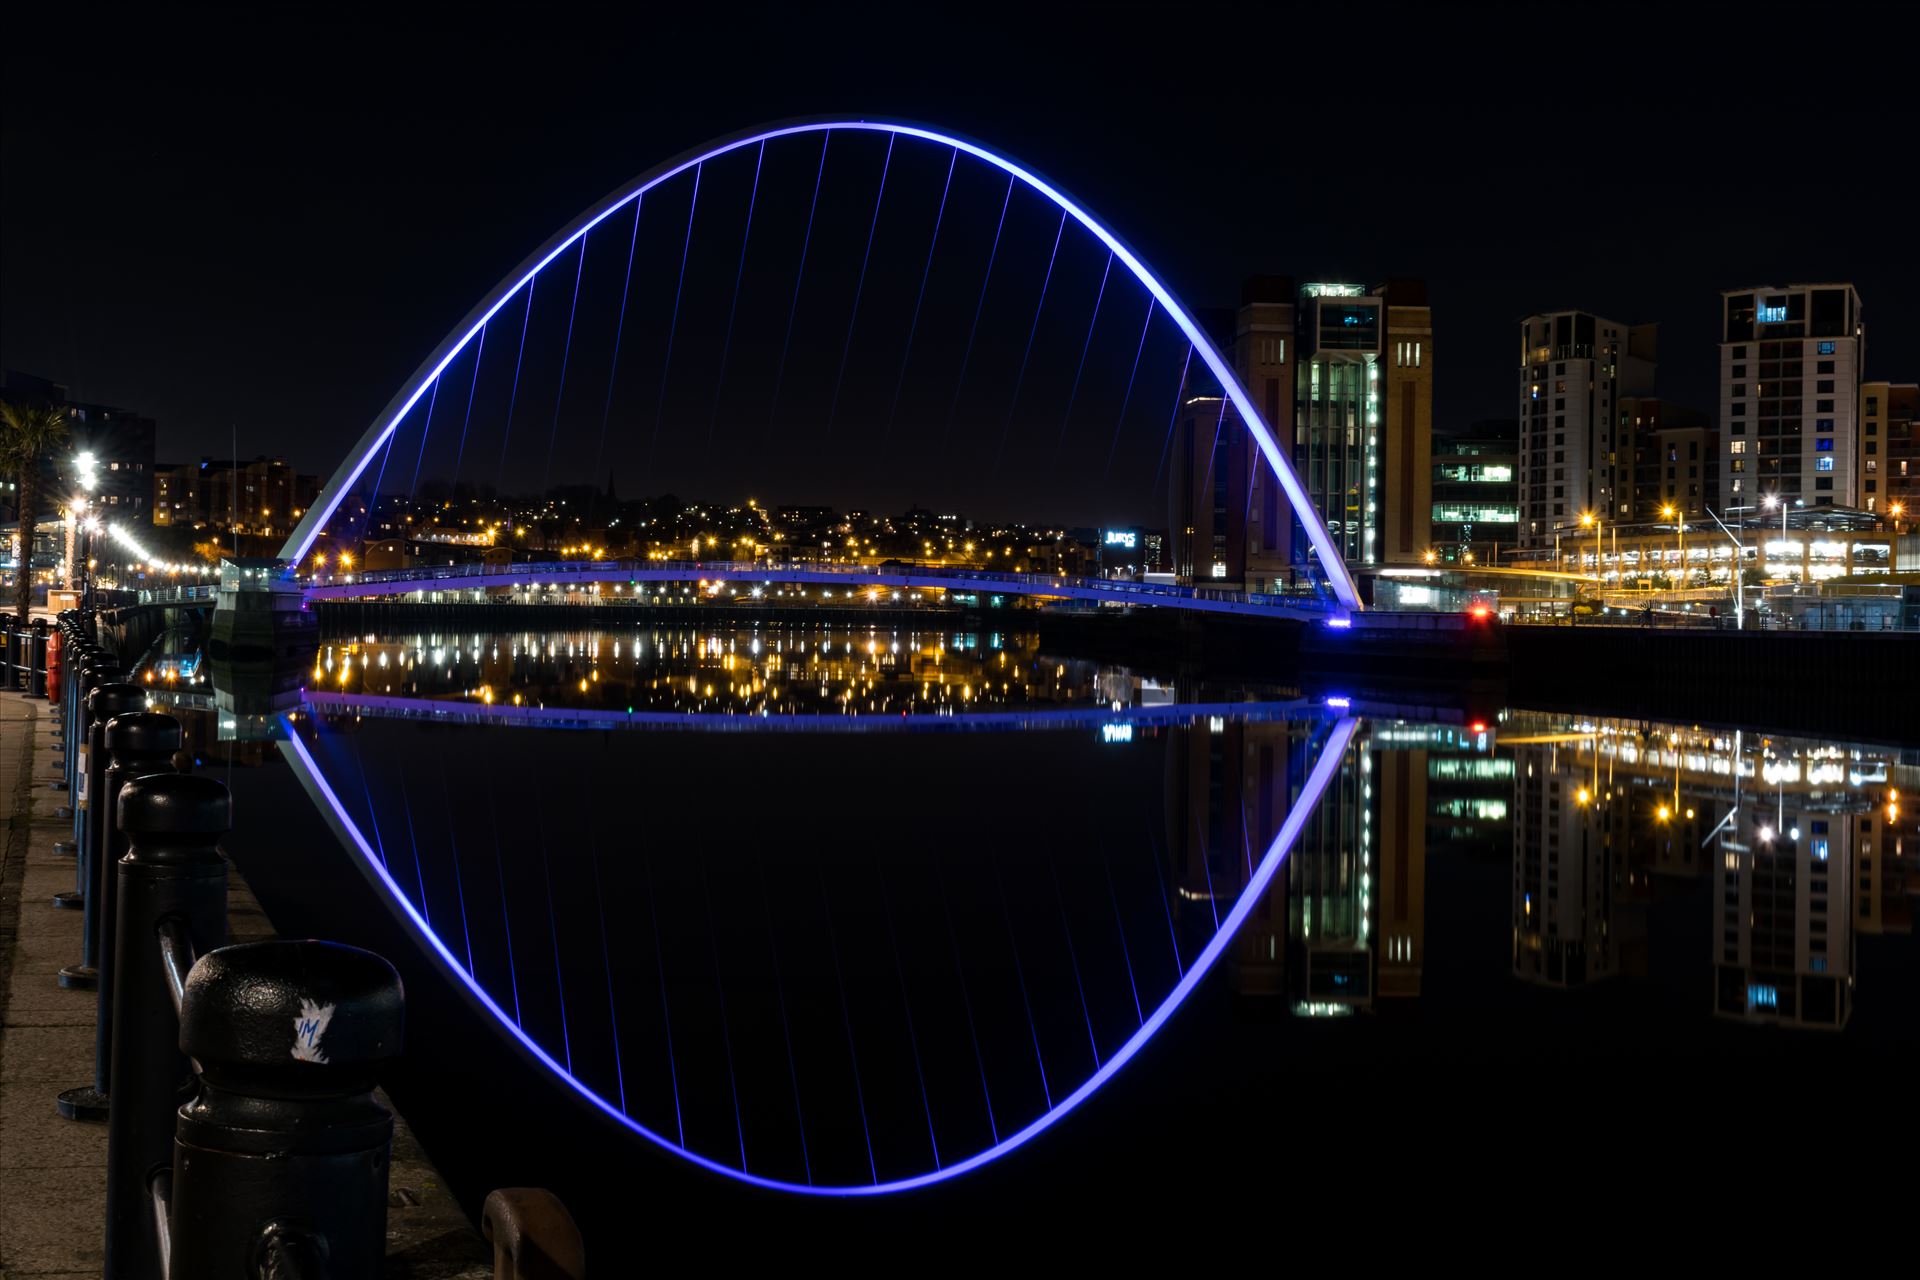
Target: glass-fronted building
{"type": "Point", "coordinates": [1476, 493]}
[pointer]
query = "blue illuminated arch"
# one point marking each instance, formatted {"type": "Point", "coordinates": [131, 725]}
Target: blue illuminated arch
{"type": "Point", "coordinates": [343, 825]}
{"type": "Point", "coordinates": [389, 419]}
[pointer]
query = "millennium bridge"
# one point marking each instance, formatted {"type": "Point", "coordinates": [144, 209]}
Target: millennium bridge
{"type": "Point", "coordinates": [854, 580]}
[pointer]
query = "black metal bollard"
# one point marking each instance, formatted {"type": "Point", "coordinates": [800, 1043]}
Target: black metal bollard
{"type": "Point", "coordinates": [73, 734]}
{"type": "Point", "coordinates": [39, 689]}
{"type": "Point", "coordinates": [285, 1145]}
{"type": "Point", "coordinates": [78, 654]}
{"type": "Point", "coordinates": [174, 875]}
{"type": "Point", "coordinates": [98, 670]}
{"type": "Point", "coordinates": [72, 656]}
{"type": "Point", "coordinates": [103, 704]}
{"type": "Point", "coordinates": [141, 743]}
{"type": "Point", "coordinates": [73, 718]}
{"type": "Point", "coordinates": [87, 753]}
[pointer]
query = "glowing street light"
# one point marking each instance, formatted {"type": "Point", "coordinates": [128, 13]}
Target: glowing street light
{"type": "Point", "coordinates": [1588, 520]}
{"type": "Point", "coordinates": [1671, 512]}
{"type": "Point", "coordinates": [1773, 500]}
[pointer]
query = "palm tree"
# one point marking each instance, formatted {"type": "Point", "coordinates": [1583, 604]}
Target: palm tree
{"type": "Point", "coordinates": [28, 433]}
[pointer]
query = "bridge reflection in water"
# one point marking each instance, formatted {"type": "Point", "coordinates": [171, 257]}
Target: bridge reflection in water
{"type": "Point", "coordinates": [891, 1005]}
{"type": "Point", "coordinates": [868, 962]}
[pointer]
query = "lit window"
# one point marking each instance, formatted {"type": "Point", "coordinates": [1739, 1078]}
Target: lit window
{"type": "Point", "coordinates": [1823, 464]}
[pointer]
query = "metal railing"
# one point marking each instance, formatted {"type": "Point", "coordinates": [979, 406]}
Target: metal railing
{"type": "Point", "coordinates": [276, 1166]}
{"type": "Point", "coordinates": [480, 576]}
{"type": "Point", "coordinates": [175, 595]}
{"type": "Point", "coordinates": [23, 657]}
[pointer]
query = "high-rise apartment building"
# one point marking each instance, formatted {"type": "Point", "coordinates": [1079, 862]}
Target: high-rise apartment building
{"type": "Point", "coordinates": [1889, 450]}
{"type": "Point", "coordinates": [1344, 376]}
{"type": "Point", "coordinates": [1575, 367]}
{"type": "Point", "coordinates": [1790, 363]}
{"type": "Point", "coordinates": [1672, 457]}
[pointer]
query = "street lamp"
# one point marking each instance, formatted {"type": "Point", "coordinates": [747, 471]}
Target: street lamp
{"type": "Point", "coordinates": [1670, 511]}
{"type": "Point", "coordinates": [92, 526]}
{"type": "Point", "coordinates": [1773, 500]}
{"type": "Point", "coordinates": [1739, 569]}
{"type": "Point", "coordinates": [1590, 520]}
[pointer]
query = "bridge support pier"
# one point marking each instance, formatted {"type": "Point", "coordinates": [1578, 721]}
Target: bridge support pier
{"type": "Point", "coordinates": [260, 616]}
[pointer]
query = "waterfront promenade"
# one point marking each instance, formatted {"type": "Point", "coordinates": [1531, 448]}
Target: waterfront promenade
{"type": "Point", "coordinates": [53, 1170]}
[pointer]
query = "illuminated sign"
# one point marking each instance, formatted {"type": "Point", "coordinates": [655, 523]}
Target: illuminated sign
{"type": "Point", "coordinates": [1773, 315]}
{"type": "Point", "coordinates": [1116, 733]}
{"type": "Point", "coordinates": [1116, 538]}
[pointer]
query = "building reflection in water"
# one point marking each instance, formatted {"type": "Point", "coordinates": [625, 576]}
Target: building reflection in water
{"type": "Point", "coordinates": [1786, 830]}
{"type": "Point", "coordinates": [1802, 845]}
{"type": "Point", "coordinates": [857, 670]}
{"type": "Point", "coordinates": [1344, 929]}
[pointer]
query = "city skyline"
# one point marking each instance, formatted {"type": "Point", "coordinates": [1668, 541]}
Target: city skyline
{"type": "Point", "coordinates": [853, 620]}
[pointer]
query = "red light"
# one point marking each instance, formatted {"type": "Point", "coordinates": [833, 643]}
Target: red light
{"type": "Point", "coordinates": [1481, 611]}
{"type": "Point", "coordinates": [1478, 726]}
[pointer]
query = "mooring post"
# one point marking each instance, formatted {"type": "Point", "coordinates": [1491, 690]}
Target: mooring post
{"type": "Point", "coordinates": [173, 902]}
{"type": "Point", "coordinates": [284, 1152]}
{"type": "Point", "coordinates": [102, 704]}
{"type": "Point", "coordinates": [140, 743]}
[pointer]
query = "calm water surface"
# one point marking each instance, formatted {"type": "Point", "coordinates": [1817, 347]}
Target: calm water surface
{"type": "Point", "coordinates": [833, 908]}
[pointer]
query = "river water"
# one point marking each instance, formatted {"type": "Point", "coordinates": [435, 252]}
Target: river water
{"type": "Point", "coordinates": [829, 909]}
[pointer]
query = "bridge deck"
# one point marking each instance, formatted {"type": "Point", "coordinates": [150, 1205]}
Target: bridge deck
{"type": "Point", "coordinates": [853, 577]}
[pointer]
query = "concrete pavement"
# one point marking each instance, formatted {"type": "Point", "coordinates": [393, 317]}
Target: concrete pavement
{"type": "Point", "coordinates": [52, 1170]}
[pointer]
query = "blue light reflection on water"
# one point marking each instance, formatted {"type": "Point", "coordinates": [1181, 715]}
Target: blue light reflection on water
{"type": "Point", "coordinates": [1008, 881]}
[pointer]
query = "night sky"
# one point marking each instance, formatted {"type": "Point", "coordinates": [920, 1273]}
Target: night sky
{"type": "Point", "coordinates": [253, 225]}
